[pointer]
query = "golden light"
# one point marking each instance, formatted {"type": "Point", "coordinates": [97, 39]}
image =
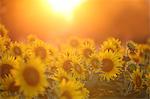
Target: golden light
{"type": "Point", "coordinates": [64, 7]}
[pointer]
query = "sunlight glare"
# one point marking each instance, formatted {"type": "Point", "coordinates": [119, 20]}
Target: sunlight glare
{"type": "Point", "coordinates": [64, 7]}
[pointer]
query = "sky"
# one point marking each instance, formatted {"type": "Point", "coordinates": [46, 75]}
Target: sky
{"type": "Point", "coordinates": [96, 19]}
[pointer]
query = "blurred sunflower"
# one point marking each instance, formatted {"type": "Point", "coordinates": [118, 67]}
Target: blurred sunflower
{"type": "Point", "coordinates": [7, 42]}
{"type": "Point", "coordinates": [52, 50]}
{"type": "Point", "coordinates": [61, 75]}
{"type": "Point", "coordinates": [69, 90]}
{"type": "Point", "coordinates": [4, 37]}
{"type": "Point", "coordinates": [8, 85]}
{"type": "Point", "coordinates": [30, 76]}
{"type": "Point", "coordinates": [74, 42]}
{"type": "Point", "coordinates": [3, 31]}
{"type": "Point", "coordinates": [111, 65]}
{"type": "Point", "coordinates": [66, 60]}
{"type": "Point", "coordinates": [147, 82]}
{"type": "Point", "coordinates": [17, 49]}
{"type": "Point", "coordinates": [39, 49]}
{"type": "Point", "coordinates": [147, 76]}
{"type": "Point", "coordinates": [7, 63]}
{"type": "Point", "coordinates": [136, 78]}
{"type": "Point", "coordinates": [133, 51]}
{"type": "Point", "coordinates": [31, 38]}
{"type": "Point", "coordinates": [111, 44]}
{"type": "Point", "coordinates": [2, 46]}
{"type": "Point", "coordinates": [144, 53]}
{"type": "Point", "coordinates": [84, 91]}
{"type": "Point", "coordinates": [79, 70]}
{"type": "Point", "coordinates": [95, 62]}
{"type": "Point", "coordinates": [52, 56]}
{"type": "Point", "coordinates": [87, 48]}
{"type": "Point", "coordinates": [51, 69]}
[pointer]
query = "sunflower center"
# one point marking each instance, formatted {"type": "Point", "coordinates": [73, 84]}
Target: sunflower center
{"type": "Point", "coordinates": [95, 62]}
{"type": "Point", "coordinates": [5, 70]}
{"type": "Point", "coordinates": [67, 65]}
{"type": "Point", "coordinates": [67, 95]}
{"type": "Point", "coordinates": [87, 52]}
{"type": "Point", "coordinates": [41, 52]}
{"type": "Point", "coordinates": [107, 65]}
{"type": "Point", "coordinates": [31, 76]}
{"type": "Point", "coordinates": [17, 50]}
{"type": "Point", "coordinates": [13, 88]}
{"type": "Point", "coordinates": [74, 43]}
{"type": "Point", "coordinates": [138, 81]}
{"type": "Point", "coordinates": [78, 68]}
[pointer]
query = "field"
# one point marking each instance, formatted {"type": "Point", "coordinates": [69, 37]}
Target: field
{"type": "Point", "coordinates": [80, 68]}
{"type": "Point", "coordinates": [74, 49]}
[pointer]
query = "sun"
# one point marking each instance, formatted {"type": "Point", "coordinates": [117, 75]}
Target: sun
{"type": "Point", "coordinates": [64, 7]}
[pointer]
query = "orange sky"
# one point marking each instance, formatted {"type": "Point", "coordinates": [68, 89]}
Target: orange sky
{"type": "Point", "coordinates": [98, 19]}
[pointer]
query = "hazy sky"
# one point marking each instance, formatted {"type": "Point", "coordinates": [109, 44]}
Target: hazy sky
{"type": "Point", "coordinates": [98, 19]}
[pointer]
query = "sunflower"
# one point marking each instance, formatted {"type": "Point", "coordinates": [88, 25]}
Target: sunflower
{"type": "Point", "coordinates": [78, 70]}
{"type": "Point", "coordinates": [3, 31]}
{"type": "Point", "coordinates": [31, 38]}
{"type": "Point", "coordinates": [66, 60]}
{"type": "Point", "coordinates": [111, 44]}
{"type": "Point", "coordinates": [52, 50]}
{"type": "Point", "coordinates": [51, 69]}
{"type": "Point", "coordinates": [52, 56]}
{"type": "Point", "coordinates": [74, 42]}
{"type": "Point", "coordinates": [95, 63]}
{"type": "Point", "coordinates": [61, 75]}
{"type": "Point", "coordinates": [17, 49]}
{"type": "Point", "coordinates": [147, 82]}
{"type": "Point", "coordinates": [30, 76]}
{"type": "Point", "coordinates": [44, 51]}
{"type": "Point", "coordinates": [144, 53]}
{"type": "Point", "coordinates": [4, 37]}
{"type": "Point", "coordinates": [87, 48]}
{"type": "Point", "coordinates": [69, 90]}
{"type": "Point", "coordinates": [39, 49]}
{"type": "Point", "coordinates": [84, 91]}
{"type": "Point", "coordinates": [111, 65]}
{"type": "Point", "coordinates": [2, 46]}
{"type": "Point", "coordinates": [136, 78]}
{"type": "Point", "coordinates": [133, 51]}
{"type": "Point", "coordinates": [147, 76]}
{"type": "Point", "coordinates": [7, 63]}
{"type": "Point", "coordinates": [7, 41]}
{"type": "Point", "coordinates": [8, 85]}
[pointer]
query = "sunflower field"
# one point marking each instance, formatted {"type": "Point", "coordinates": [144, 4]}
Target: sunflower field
{"type": "Point", "coordinates": [77, 69]}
